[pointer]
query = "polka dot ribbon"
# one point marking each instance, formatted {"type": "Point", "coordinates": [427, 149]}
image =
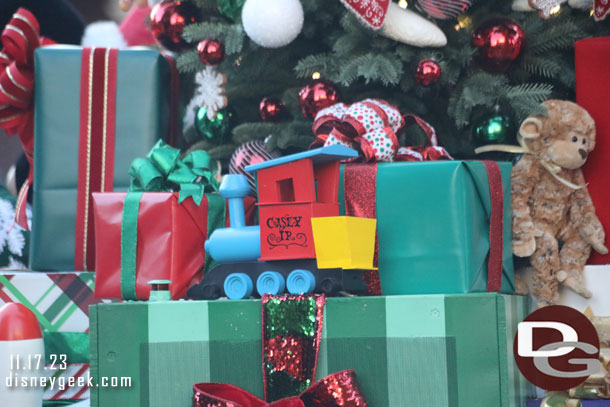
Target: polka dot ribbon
{"type": "Point", "coordinates": [370, 126]}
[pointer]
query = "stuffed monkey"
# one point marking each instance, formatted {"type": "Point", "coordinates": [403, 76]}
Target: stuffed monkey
{"type": "Point", "coordinates": [554, 221]}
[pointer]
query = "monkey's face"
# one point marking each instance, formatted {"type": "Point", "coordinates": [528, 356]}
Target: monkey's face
{"type": "Point", "coordinates": [565, 137]}
{"type": "Point", "coordinates": [571, 149]}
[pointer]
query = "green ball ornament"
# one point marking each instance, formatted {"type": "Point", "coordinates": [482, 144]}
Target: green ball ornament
{"type": "Point", "coordinates": [218, 127]}
{"type": "Point", "coordinates": [494, 128]}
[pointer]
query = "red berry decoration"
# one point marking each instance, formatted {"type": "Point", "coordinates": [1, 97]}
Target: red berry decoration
{"type": "Point", "coordinates": [168, 19]}
{"type": "Point", "coordinates": [317, 95]}
{"type": "Point", "coordinates": [271, 109]}
{"type": "Point", "coordinates": [428, 72]}
{"type": "Point", "coordinates": [211, 52]}
{"type": "Point", "coordinates": [499, 41]}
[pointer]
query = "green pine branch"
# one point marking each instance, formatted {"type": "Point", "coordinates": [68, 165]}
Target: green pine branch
{"type": "Point", "coordinates": [232, 35]}
{"type": "Point", "coordinates": [555, 37]}
{"type": "Point", "coordinates": [541, 66]}
{"type": "Point", "coordinates": [189, 62]}
{"type": "Point", "coordinates": [313, 63]}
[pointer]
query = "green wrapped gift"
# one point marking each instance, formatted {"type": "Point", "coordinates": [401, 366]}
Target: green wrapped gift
{"type": "Point", "coordinates": [433, 224]}
{"type": "Point", "coordinates": [95, 112]}
{"type": "Point", "coordinates": [421, 350]}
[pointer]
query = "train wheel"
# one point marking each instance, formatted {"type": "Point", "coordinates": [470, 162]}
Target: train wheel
{"type": "Point", "coordinates": [329, 286]}
{"type": "Point", "coordinates": [270, 282]}
{"type": "Point", "coordinates": [301, 282]}
{"type": "Point", "coordinates": [238, 286]}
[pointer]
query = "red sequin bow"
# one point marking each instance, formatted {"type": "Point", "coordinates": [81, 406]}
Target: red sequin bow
{"type": "Point", "coordinates": [339, 389]}
{"type": "Point", "coordinates": [20, 38]}
{"type": "Point", "coordinates": [370, 126]}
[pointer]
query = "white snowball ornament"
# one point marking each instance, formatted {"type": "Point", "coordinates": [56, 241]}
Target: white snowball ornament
{"type": "Point", "coordinates": [272, 23]}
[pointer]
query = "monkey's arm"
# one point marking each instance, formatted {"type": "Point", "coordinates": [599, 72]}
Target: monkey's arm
{"type": "Point", "coordinates": [524, 176]}
{"type": "Point", "coordinates": [582, 215]}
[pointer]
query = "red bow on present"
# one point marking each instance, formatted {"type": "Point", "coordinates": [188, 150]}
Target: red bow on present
{"type": "Point", "coordinates": [20, 37]}
{"type": "Point", "coordinates": [430, 151]}
{"type": "Point", "coordinates": [370, 126]}
{"type": "Point", "coordinates": [339, 389]}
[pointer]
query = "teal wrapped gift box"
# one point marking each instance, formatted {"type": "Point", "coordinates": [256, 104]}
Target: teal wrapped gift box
{"type": "Point", "coordinates": [433, 224]}
{"type": "Point", "coordinates": [142, 106]}
{"type": "Point", "coordinates": [417, 350]}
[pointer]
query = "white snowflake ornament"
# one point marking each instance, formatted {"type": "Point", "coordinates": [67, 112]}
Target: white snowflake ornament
{"type": "Point", "coordinates": [11, 235]}
{"type": "Point", "coordinates": [210, 94]}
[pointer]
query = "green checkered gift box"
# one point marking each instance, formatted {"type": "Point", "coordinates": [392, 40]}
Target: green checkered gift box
{"type": "Point", "coordinates": [420, 350]}
{"type": "Point", "coordinates": [61, 302]}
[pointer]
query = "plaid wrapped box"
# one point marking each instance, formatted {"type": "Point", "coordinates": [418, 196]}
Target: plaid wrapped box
{"type": "Point", "coordinates": [421, 350]}
{"type": "Point", "coordinates": [61, 302]}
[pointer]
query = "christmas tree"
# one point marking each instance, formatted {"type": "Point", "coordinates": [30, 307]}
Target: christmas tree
{"type": "Point", "coordinates": [474, 90]}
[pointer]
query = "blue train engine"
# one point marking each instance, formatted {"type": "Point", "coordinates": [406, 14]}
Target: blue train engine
{"type": "Point", "coordinates": [302, 244]}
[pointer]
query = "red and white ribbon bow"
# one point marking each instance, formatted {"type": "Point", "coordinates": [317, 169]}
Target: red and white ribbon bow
{"type": "Point", "coordinates": [20, 38]}
{"type": "Point", "coordinates": [370, 126]}
{"type": "Point", "coordinates": [430, 151]}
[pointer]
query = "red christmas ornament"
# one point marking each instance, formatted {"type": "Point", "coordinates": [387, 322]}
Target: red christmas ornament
{"type": "Point", "coordinates": [499, 41]}
{"type": "Point", "coordinates": [428, 72]}
{"type": "Point", "coordinates": [317, 95]}
{"type": "Point", "coordinates": [271, 109]}
{"type": "Point", "coordinates": [252, 152]}
{"type": "Point", "coordinates": [168, 19]}
{"type": "Point", "coordinates": [211, 52]}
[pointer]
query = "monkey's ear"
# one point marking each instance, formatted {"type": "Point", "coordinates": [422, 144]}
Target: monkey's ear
{"type": "Point", "coordinates": [530, 128]}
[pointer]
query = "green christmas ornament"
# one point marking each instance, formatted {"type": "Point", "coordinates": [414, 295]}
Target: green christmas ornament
{"type": "Point", "coordinates": [231, 8]}
{"type": "Point", "coordinates": [216, 128]}
{"type": "Point", "coordinates": [493, 127]}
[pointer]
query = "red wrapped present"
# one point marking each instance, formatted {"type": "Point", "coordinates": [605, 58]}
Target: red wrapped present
{"type": "Point", "coordinates": [592, 90]}
{"type": "Point", "coordinates": [170, 239]}
{"type": "Point", "coordinates": [143, 236]}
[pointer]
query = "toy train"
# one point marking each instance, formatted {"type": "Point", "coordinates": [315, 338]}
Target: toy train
{"type": "Point", "coordinates": [302, 244]}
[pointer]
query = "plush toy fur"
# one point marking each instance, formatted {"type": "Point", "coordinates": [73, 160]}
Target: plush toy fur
{"type": "Point", "coordinates": [555, 225]}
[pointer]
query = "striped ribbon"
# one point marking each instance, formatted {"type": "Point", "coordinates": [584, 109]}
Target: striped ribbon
{"type": "Point", "coordinates": [21, 36]}
{"type": "Point", "coordinates": [96, 144]}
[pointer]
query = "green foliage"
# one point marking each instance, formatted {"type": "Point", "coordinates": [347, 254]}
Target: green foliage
{"type": "Point", "coordinates": [364, 64]}
{"type": "Point", "coordinates": [232, 35]}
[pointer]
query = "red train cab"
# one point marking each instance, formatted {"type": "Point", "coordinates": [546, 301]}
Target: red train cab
{"type": "Point", "coordinates": [292, 190]}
